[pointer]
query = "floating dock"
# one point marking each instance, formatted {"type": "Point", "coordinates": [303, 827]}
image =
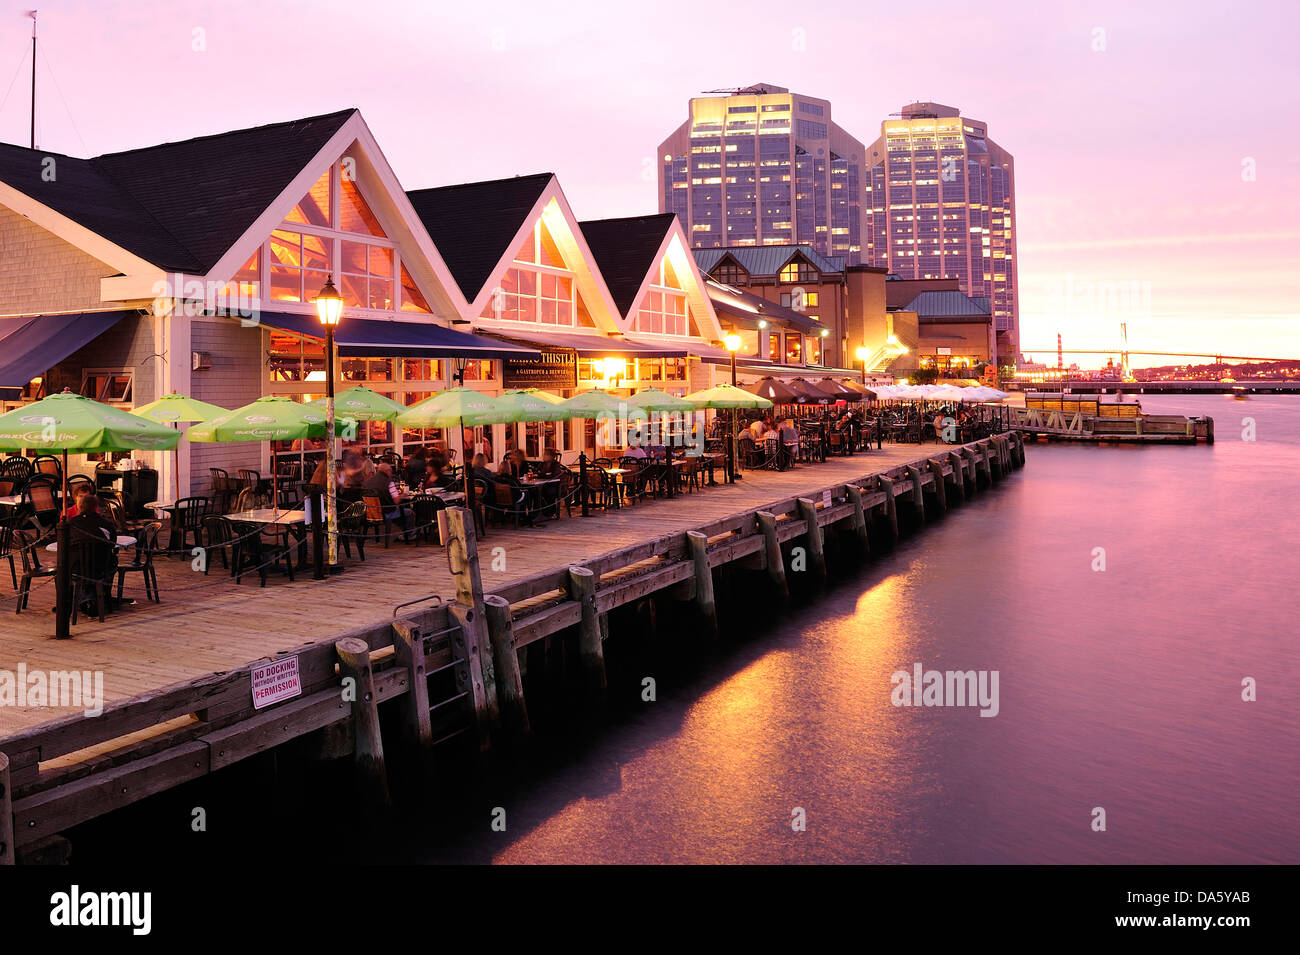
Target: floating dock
{"type": "Point", "coordinates": [1104, 419]}
{"type": "Point", "coordinates": [475, 629]}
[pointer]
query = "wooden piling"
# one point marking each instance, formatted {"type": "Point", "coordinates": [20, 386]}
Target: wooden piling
{"type": "Point", "coordinates": [704, 599]}
{"type": "Point", "coordinates": [417, 724]}
{"type": "Point", "coordinates": [510, 683]}
{"type": "Point", "coordinates": [773, 562]}
{"type": "Point", "coordinates": [985, 467]}
{"type": "Point", "coordinates": [940, 491]}
{"type": "Point", "coordinates": [468, 612]}
{"type": "Point", "coordinates": [958, 480]}
{"type": "Point", "coordinates": [859, 516]}
{"type": "Point", "coordinates": [891, 506]}
{"type": "Point", "coordinates": [970, 457]}
{"type": "Point", "coordinates": [918, 491]}
{"type": "Point", "coordinates": [7, 855]}
{"type": "Point", "coordinates": [591, 652]}
{"type": "Point", "coordinates": [368, 752]}
{"type": "Point", "coordinates": [816, 544]}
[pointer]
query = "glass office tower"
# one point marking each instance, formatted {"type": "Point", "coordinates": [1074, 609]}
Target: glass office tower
{"type": "Point", "coordinates": [941, 204]}
{"type": "Point", "coordinates": [764, 166]}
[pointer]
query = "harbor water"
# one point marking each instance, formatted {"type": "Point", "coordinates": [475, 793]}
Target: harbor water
{"type": "Point", "coordinates": [1126, 597]}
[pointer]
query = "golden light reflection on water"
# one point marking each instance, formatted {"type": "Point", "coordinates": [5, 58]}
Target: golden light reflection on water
{"type": "Point", "coordinates": [715, 787]}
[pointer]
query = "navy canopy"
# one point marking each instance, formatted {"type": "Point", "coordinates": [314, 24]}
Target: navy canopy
{"type": "Point", "coordinates": [33, 345]}
{"type": "Point", "coordinates": [369, 338]}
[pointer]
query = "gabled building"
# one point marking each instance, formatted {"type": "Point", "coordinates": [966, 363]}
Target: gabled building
{"type": "Point", "coordinates": [796, 277]}
{"type": "Point", "coordinates": [192, 267]}
{"type": "Point", "coordinates": [614, 304]}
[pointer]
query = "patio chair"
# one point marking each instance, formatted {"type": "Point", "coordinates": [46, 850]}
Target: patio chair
{"type": "Point", "coordinates": [48, 464]}
{"type": "Point", "coordinates": [90, 560]}
{"type": "Point", "coordinates": [27, 546]}
{"type": "Point", "coordinates": [254, 551]}
{"type": "Point", "coordinates": [222, 490]}
{"type": "Point", "coordinates": [219, 535]}
{"type": "Point", "coordinates": [39, 504]}
{"type": "Point", "coordinates": [7, 544]}
{"type": "Point", "coordinates": [375, 519]}
{"type": "Point", "coordinates": [508, 502]}
{"type": "Point", "coordinates": [188, 515]}
{"type": "Point", "coordinates": [17, 467]}
{"type": "Point", "coordinates": [352, 527]}
{"type": "Point", "coordinates": [142, 562]}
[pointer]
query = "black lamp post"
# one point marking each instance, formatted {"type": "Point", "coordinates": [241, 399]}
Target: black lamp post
{"type": "Point", "coordinates": [732, 342]}
{"type": "Point", "coordinates": [329, 307]}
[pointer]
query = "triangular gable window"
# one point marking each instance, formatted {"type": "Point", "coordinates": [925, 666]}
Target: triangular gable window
{"type": "Point", "coordinates": [354, 211]}
{"type": "Point", "coordinates": [549, 252]}
{"type": "Point", "coordinates": [412, 299]}
{"type": "Point", "coordinates": [670, 277]}
{"type": "Point", "coordinates": [315, 206]}
{"type": "Point", "coordinates": [584, 317]}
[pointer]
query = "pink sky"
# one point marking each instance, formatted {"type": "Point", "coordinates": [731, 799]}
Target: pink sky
{"type": "Point", "coordinates": [1129, 159]}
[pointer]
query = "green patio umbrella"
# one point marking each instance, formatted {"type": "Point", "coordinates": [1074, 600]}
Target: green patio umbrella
{"type": "Point", "coordinates": [524, 406]}
{"type": "Point", "coordinates": [177, 408]}
{"type": "Point", "coordinates": [67, 422]}
{"type": "Point", "coordinates": [362, 404]}
{"type": "Point", "coordinates": [453, 408]}
{"type": "Point", "coordinates": [541, 395]}
{"type": "Point", "coordinates": [595, 404]}
{"type": "Point", "coordinates": [656, 399]}
{"type": "Point", "coordinates": [266, 419]}
{"type": "Point", "coordinates": [728, 397]}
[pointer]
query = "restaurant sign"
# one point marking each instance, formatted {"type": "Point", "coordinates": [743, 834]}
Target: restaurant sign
{"type": "Point", "coordinates": [553, 368]}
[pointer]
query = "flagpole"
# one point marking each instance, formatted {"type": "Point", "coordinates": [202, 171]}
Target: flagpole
{"type": "Point", "coordinates": [32, 14]}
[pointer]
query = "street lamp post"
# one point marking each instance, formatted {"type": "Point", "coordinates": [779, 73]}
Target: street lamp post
{"type": "Point", "coordinates": [329, 307]}
{"type": "Point", "coordinates": [862, 357]}
{"type": "Point", "coordinates": [732, 342]}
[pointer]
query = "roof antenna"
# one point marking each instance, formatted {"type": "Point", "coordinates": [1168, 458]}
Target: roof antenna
{"type": "Point", "coordinates": [32, 14]}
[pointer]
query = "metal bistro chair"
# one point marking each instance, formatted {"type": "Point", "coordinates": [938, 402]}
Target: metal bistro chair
{"type": "Point", "coordinates": [8, 541]}
{"type": "Point", "coordinates": [39, 505]}
{"type": "Point", "coordinates": [142, 563]}
{"type": "Point", "coordinates": [17, 467]}
{"type": "Point", "coordinates": [48, 464]}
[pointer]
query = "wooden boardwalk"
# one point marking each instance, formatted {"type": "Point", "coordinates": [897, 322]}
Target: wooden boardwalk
{"type": "Point", "coordinates": [208, 624]}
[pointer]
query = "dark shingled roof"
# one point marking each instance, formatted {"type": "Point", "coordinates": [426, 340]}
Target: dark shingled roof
{"type": "Point", "coordinates": [179, 206]}
{"type": "Point", "coordinates": [474, 223]}
{"type": "Point", "coordinates": [624, 250]}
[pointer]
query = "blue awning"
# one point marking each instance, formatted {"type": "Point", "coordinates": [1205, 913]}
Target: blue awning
{"type": "Point", "coordinates": [32, 345]}
{"type": "Point", "coordinates": [370, 338]}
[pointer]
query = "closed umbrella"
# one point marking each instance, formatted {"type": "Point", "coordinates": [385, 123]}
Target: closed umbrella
{"type": "Point", "coordinates": [176, 408]}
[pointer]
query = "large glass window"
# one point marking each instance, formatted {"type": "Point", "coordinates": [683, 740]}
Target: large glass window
{"type": "Point", "coordinates": [538, 288]}
{"type": "Point", "coordinates": [793, 349]}
{"type": "Point", "coordinates": [663, 308]}
{"type": "Point", "coordinates": [334, 231]}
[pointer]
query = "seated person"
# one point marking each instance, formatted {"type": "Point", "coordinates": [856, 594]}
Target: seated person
{"type": "Point", "coordinates": [381, 484]}
{"type": "Point", "coordinates": [635, 451]}
{"type": "Point", "coordinates": [479, 470]}
{"type": "Point", "coordinates": [91, 525]}
{"type": "Point", "coordinates": [437, 475]}
{"type": "Point", "coordinates": [417, 467]}
{"type": "Point", "coordinates": [73, 509]}
{"type": "Point", "coordinates": [550, 466]}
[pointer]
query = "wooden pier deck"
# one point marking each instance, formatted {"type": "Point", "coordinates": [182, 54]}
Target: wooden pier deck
{"type": "Point", "coordinates": [175, 674]}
